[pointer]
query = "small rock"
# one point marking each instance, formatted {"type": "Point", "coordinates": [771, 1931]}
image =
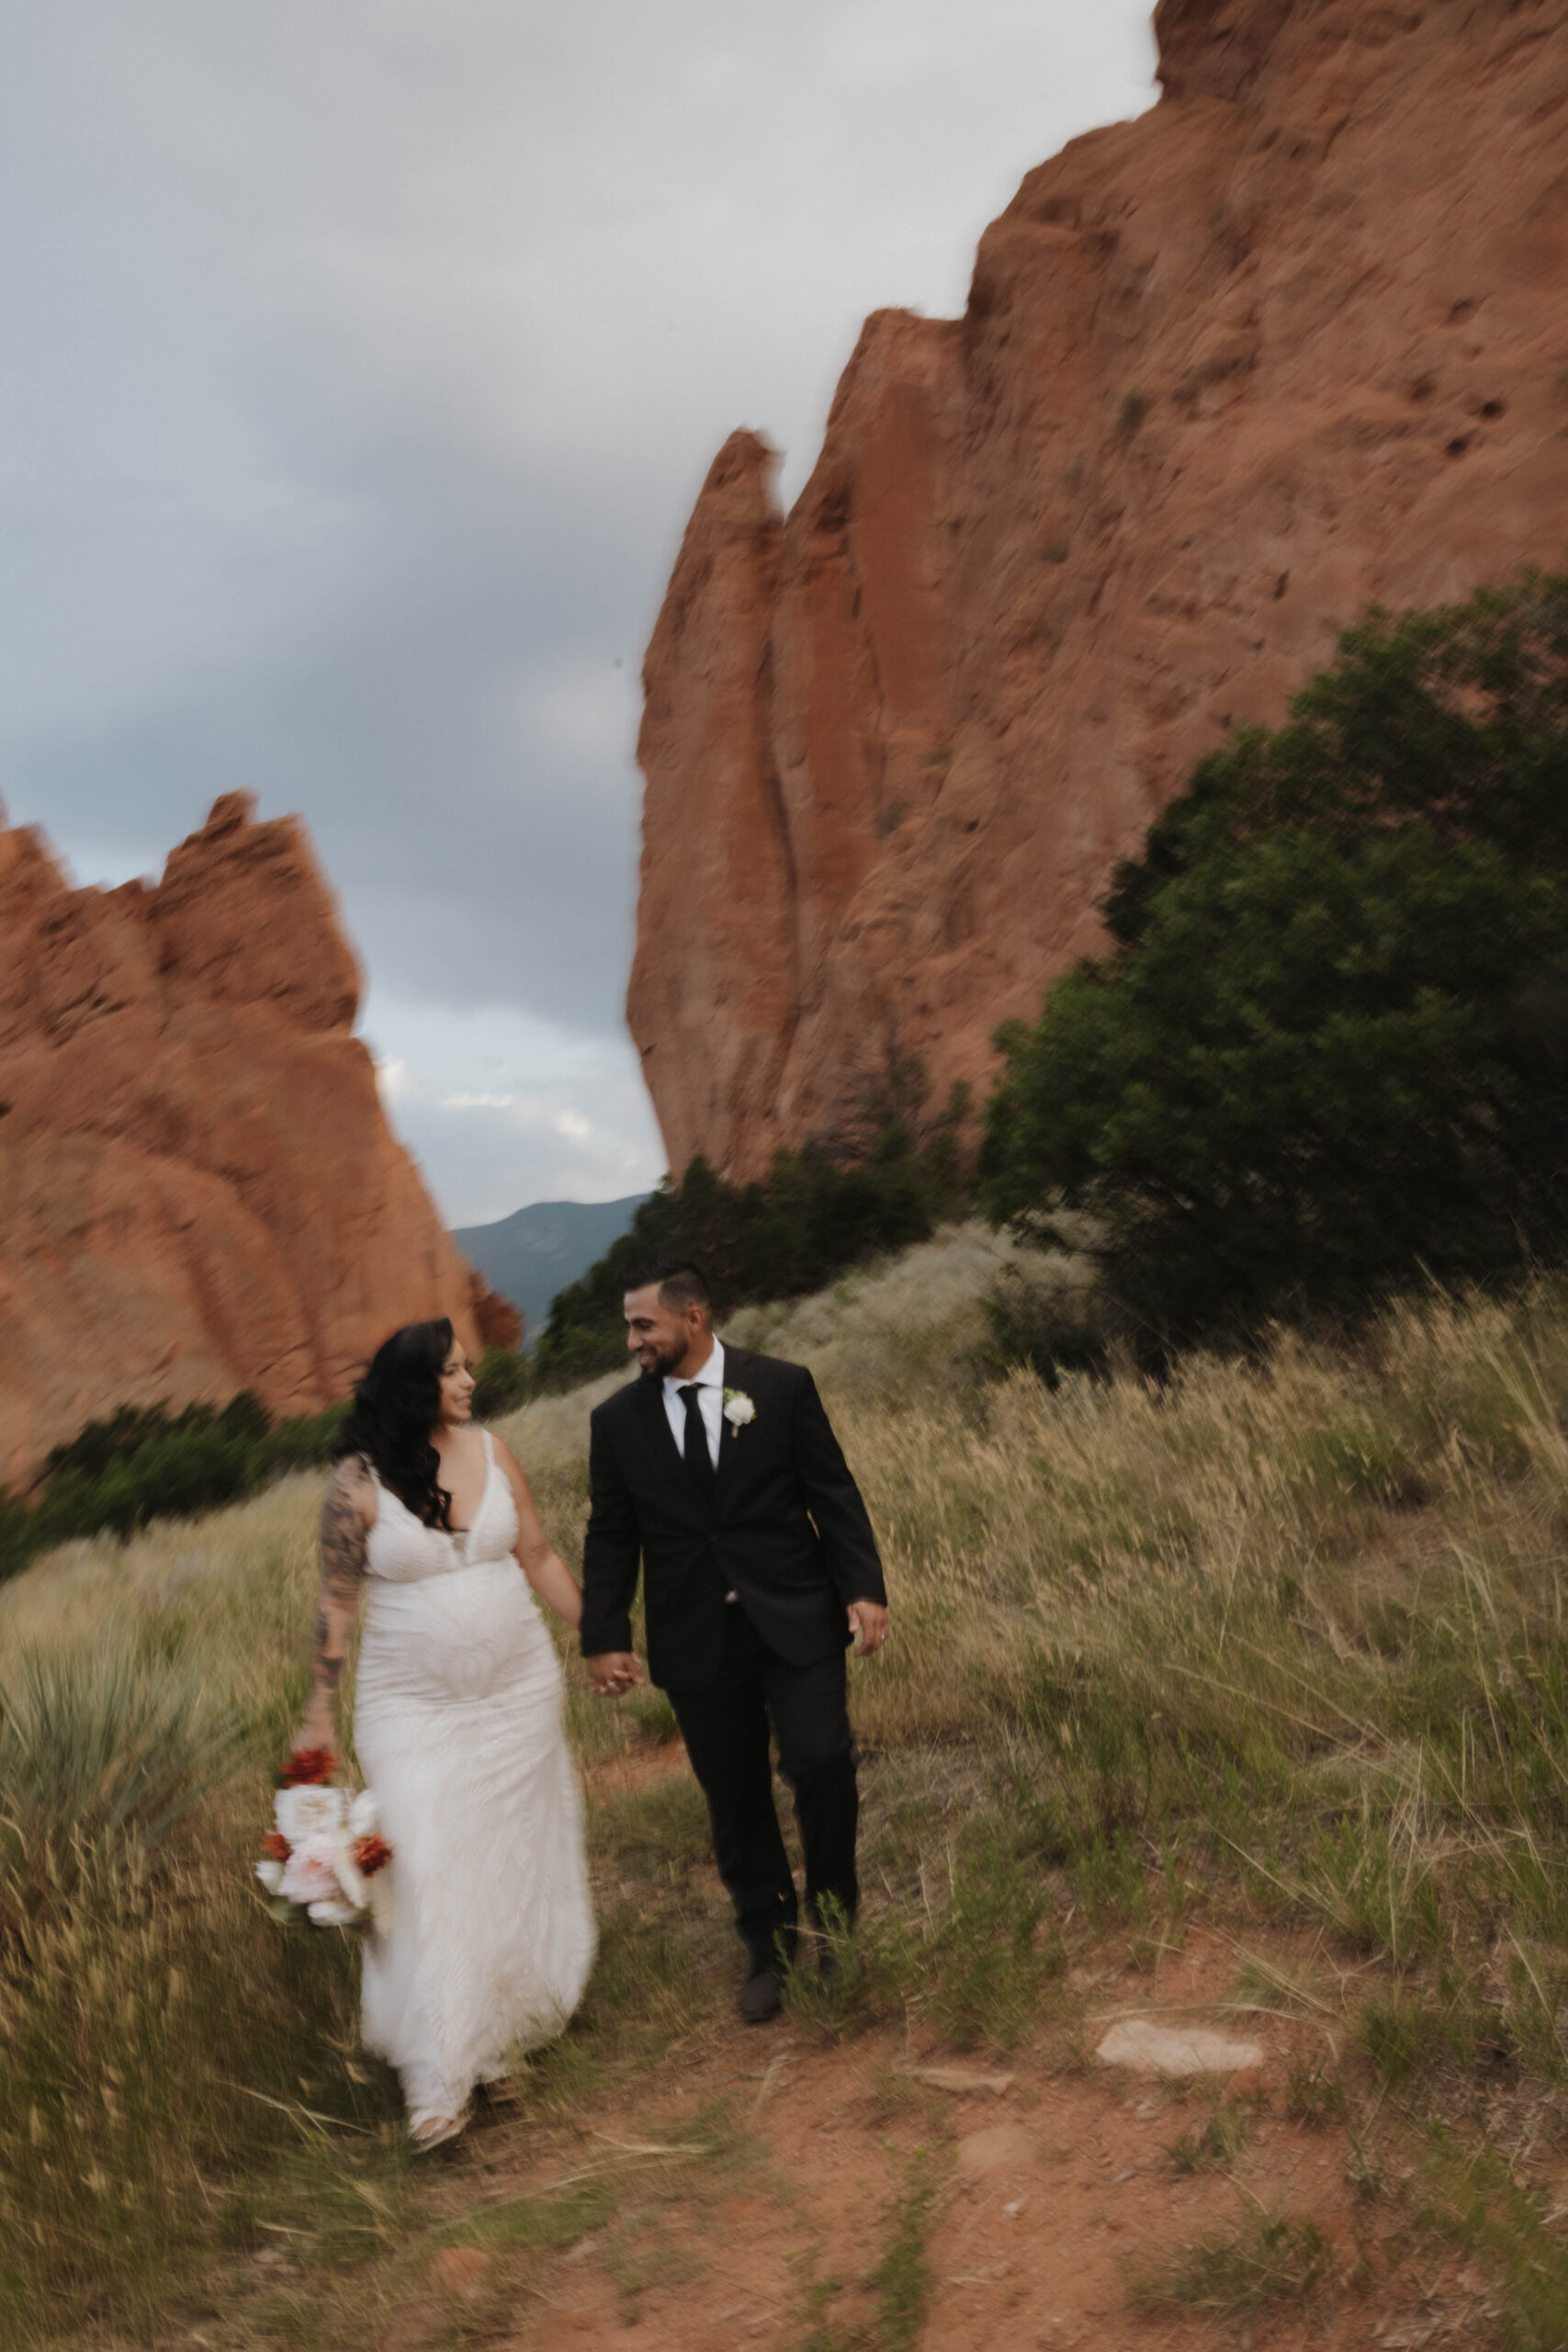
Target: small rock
{"type": "Point", "coordinates": [1167, 2050]}
{"type": "Point", "coordinates": [990, 2150]}
{"type": "Point", "coordinates": [961, 2078]}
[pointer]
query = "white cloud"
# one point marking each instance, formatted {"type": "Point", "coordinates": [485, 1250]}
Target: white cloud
{"type": "Point", "coordinates": [492, 1104]}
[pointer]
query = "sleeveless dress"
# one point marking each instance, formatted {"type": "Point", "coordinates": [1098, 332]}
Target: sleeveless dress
{"type": "Point", "coordinates": [484, 1935]}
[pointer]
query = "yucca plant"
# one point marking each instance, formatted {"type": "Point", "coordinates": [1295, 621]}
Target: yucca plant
{"type": "Point", "coordinates": [97, 1756]}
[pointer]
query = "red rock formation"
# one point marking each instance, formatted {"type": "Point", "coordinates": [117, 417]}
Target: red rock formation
{"type": "Point", "coordinates": [198, 1192]}
{"type": "Point", "coordinates": [497, 1322]}
{"type": "Point", "coordinates": [1295, 342]}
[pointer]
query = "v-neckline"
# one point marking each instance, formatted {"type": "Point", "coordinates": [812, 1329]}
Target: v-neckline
{"type": "Point", "coordinates": [458, 1537]}
{"type": "Point", "coordinates": [461, 1537]}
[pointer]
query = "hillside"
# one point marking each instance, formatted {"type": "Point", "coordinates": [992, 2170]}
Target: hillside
{"type": "Point", "coordinates": [1233, 1705]}
{"type": "Point", "coordinates": [534, 1253]}
{"type": "Point", "coordinates": [1288, 344]}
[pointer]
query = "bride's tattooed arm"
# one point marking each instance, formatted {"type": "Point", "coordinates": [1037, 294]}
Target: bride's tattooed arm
{"type": "Point", "coordinates": [348, 1511]}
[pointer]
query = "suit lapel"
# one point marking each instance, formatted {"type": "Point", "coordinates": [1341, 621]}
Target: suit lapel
{"type": "Point", "coordinates": [736, 1367]}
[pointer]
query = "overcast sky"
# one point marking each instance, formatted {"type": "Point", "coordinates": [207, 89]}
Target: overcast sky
{"type": "Point", "coordinates": [364, 358]}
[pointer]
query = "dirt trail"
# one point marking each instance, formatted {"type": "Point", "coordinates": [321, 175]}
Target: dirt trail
{"type": "Point", "coordinates": [1053, 2193]}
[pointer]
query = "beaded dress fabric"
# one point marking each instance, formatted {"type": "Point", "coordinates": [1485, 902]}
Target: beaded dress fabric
{"type": "Point", "coordinates": [485, 1936]}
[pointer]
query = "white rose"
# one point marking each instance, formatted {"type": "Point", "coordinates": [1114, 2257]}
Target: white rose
{"type": "Point", "coordinates": [311, 1873]}
{"type": "Point", "coordinates": [270, 1876]}
{"type": "Point", "coordinates": [315, 1811]}
{"type": "Point", "coordinates": [739, 1409]}
{"type": "Point", "coordinates": [333, 1914]}
{"type": "Point", "coordinates": [355, 1886]}
{"type": "Point", "coordinates": [364, 1815]}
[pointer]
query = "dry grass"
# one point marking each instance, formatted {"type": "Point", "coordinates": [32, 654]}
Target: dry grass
{"type": "Point", "coordinates": [1282, 1639]}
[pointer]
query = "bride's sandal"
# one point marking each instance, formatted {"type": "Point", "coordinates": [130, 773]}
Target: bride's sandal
{"type": "Point", "coordinates": [435, 2130]}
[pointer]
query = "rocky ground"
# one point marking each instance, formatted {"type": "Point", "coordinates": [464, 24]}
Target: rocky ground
{"type": "Point", "coordinates": [1185, 2153]}
{"type": "Point", "coordinates": [767, 2178]}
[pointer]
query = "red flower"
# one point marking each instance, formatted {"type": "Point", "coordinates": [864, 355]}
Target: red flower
{"type": "Point", "coordinates": [275, 1847]}
{"type": "Point", "coordinates": [370, 1855]}
{"type": "Point", "coordinates": [307, 1766]}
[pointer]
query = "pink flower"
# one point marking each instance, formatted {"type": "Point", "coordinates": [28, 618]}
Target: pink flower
{"type": "Point", "coordinates": [309, 1874]}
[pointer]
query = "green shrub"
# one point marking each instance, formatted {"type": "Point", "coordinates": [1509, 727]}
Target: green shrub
{"type": "Point", "coordinates": [1052, 1316]}
{"type": "Point", "coordinates": [145, 1462]}
{"type": "Point", "coordinates": [1329, 1053]}
{"type": "Point", "coordinates": [501, 1384]}
{"type": "Point", "coordinates": [15, 1533]}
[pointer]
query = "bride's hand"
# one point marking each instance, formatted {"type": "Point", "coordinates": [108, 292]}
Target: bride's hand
{"type": "Point", "coordinates": [613, 1673]}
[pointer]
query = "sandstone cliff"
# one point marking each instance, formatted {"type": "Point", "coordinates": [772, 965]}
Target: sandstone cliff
{"type": "Point", "coordinates": [198, 1192]}
{"type": "Point", "coordinates": [1294, 343]}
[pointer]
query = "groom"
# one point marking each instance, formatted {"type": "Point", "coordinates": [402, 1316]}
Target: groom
{"type": "Point", "coordinates": [719, 1467]}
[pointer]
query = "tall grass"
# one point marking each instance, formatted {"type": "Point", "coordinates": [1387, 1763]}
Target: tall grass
{"type": "Point", "coordinates": [1281, 1637]}
{"type": "Point", "coordinates": [155, 2034]}
{"type": "Point", "coordinates": [100, 1760]}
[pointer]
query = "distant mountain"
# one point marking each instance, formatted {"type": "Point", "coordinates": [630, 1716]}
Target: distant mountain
{"type": "Point", "coordinates": [538, 1250]}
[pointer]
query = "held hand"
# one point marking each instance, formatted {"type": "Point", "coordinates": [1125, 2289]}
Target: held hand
{"type": "Point", "coordinates": [613, 1673]}
{"type": "Point", "coordinates": [868, 1623]}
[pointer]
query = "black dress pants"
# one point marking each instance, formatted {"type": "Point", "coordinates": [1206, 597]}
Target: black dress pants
{"type": "Point", "coordinates": [726, 1729]}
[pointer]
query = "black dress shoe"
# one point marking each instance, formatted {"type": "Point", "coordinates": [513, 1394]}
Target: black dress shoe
{"type": "Point", "coordinates": [760, 1998]}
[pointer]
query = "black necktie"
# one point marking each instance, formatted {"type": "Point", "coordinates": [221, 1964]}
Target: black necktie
{"type": "Point", "coordinates": [699, 1461]}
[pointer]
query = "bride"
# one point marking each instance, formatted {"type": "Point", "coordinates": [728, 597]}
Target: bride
{"type": "Point", "coordinates": [486, 1938]}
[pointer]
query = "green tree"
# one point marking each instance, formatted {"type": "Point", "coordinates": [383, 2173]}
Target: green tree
{"type": "Point", "coordinates": [1329, 1049]}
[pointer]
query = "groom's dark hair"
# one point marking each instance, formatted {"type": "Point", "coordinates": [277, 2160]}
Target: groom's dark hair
{"type": "Point", "coordinates": [681, 1285]}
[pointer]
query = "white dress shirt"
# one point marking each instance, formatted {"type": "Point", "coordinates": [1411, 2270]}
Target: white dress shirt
{"type": "Point", "coordinates": [710, 1402]}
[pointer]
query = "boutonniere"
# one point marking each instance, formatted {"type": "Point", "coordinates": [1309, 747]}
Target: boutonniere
{"type": "Point", "coordinates": [737, 1408]}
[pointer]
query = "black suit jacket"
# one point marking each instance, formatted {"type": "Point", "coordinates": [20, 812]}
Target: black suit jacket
{"type": "Point", "coordinates": [785, 1528]}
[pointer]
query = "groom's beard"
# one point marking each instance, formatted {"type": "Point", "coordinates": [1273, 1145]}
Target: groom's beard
{"type": "Point", "coordinates": [664, 1361]}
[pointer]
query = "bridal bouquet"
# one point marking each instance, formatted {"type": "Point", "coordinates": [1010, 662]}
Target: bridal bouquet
{"type": "Point", "coordinates": [324, 1848]}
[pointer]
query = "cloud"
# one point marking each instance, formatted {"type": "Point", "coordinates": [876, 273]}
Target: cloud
{"type": "Point", "coordinates": [365, 356]}
{"type": "Point", "coordinates": [501, 1106]}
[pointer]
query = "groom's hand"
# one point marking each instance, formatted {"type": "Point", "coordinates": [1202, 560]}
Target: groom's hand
{"type": "Point", "coordinates": [612, 1673]}
{"type": "Point", "coordinates": [868, 1623]}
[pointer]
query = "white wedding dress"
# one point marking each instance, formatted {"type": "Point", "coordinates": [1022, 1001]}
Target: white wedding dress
{"type": "Point", "coordinates": [484, 1935]}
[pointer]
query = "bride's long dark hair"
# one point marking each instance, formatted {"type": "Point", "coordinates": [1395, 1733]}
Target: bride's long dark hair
{"type": "Point", "coordinates": [395, 1407]}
